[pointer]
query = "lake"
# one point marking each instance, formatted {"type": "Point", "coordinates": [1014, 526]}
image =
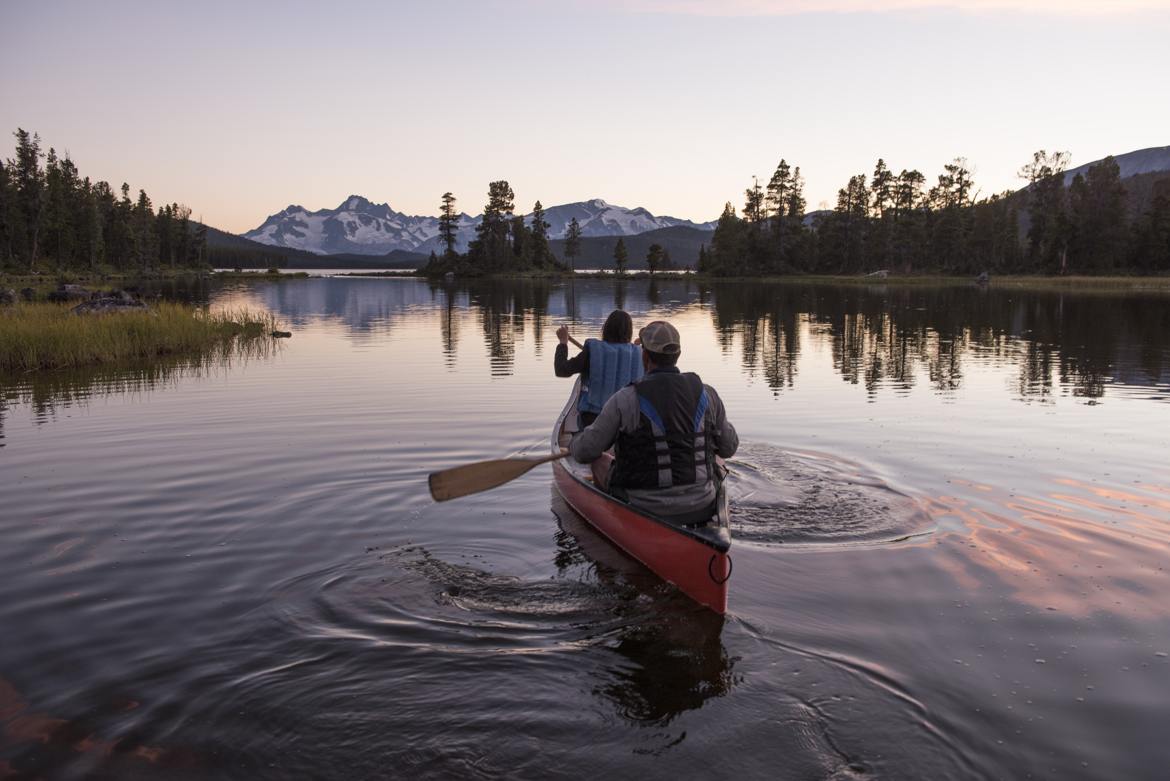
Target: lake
{"type": "Point", "coordinates": [951, 511]}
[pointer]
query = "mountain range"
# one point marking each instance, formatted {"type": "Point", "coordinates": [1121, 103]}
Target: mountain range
{"type": "Point", "coordinates": [359, 233]}
{"type": "Point", "coordinates": [358, 226]}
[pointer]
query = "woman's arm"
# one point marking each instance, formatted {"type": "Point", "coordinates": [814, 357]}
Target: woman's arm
{"type": "Point", "coordinates": [562, 364]}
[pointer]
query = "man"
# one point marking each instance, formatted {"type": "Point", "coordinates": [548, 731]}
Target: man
{"type": "Point", "coordinates": [666, 430]}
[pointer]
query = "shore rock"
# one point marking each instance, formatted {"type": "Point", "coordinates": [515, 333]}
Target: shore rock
{"type": "Point", "coordinates": [109, 305]}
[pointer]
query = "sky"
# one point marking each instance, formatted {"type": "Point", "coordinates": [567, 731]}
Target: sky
{"type": "Point", "coordinates": [239, 109]}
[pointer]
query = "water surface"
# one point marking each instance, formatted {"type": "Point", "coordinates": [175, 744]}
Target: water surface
{"type": "Point", "coordinates": [951, 511]}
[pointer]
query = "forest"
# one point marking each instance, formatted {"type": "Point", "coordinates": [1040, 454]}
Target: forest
{"type": "Point", "coordinates": [1098, 224]}
{"type": "Point", "coordinates": [53, 218]}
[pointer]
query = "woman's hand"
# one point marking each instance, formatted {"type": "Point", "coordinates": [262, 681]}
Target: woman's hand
{"type": "Point", "coordinates": [563, 334]}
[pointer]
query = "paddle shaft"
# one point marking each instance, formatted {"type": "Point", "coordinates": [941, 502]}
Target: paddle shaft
{"type": "Point", "coordinates": [482, 476]}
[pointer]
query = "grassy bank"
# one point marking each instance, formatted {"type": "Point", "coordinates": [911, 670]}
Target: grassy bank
{"type": "Point", "coordinates": [47, 336]}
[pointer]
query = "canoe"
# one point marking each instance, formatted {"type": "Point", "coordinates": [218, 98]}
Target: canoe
{"type": "Point", "coordinates": [694, 558]}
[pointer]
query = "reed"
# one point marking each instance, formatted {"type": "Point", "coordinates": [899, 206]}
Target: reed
{"type": "Point", "coordinates": [48, 336]}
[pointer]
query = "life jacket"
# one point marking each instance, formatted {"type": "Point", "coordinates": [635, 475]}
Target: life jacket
{"type": "Point", "coordinates": [611, 368]}
{"type": "Point", "coordinates": [673, 443]}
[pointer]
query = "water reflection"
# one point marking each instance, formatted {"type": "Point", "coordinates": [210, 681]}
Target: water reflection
{"type": "Point", "coordinates": [879, 336]}
{"type": "Point", "coordinates": [47, 393]}
{"type": "Point", "coordinates": [667, 661]}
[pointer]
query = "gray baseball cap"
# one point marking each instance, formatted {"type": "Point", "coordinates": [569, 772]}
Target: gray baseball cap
{"type": "Point", "coordinates": [660, 337]}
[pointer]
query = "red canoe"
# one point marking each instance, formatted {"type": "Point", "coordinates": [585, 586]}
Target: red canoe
{"type": "Point", "coordinates": [693, 558]}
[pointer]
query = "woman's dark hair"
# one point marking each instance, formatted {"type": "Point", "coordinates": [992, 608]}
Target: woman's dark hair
{"type": "Point", "coordinates": [619, 327]}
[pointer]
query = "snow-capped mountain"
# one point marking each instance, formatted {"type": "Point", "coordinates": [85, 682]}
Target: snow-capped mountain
{"type": "Point", "coordinates": [361, 227]}
{"type": "Point", "coordinates": [356, 226]}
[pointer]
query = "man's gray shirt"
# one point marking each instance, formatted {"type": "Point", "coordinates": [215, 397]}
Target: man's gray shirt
{"type": "Point", "coordinates": [621, 413]}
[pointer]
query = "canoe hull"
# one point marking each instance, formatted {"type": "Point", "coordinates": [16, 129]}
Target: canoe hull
{"type": "Point", "coordinates": [699, 570]}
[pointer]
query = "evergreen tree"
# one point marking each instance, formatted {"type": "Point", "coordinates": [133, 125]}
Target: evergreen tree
{"type": "Point", "coordinates": [654, 257]}
{"type": "Point", "coordinates": [490, 251]}
{"type": "Point", "coordinates": [726, 256]}
{"type": "Point", "coordinates": [29, 184]}
{"type": "Point", "coordinates": [538, 238]}
{"type": "Point", "coordinates": [1098, 223]}
{"type": "Point", "coordinates": [572, 241]}
{"type": "Point", "coordinates": [1151, 250]}
{"type": "Point", "coordinates": [753, 210]}
{"type": "Point", "coordinates": [621, 256]}
{"type": "Point", "coordinates": [448, 222]}
{"type": "Point", "coordinates": [1047, 233]}
{"type": "Point", "coordinates": [145, 237]}
{"type": "Point", "coordinates": [883, 189]}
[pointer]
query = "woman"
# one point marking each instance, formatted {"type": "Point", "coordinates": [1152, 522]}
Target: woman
{"type": "Point", "coordinates": [606, 365]}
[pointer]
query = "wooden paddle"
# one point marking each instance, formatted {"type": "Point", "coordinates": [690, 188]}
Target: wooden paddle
{"type": "Point", "coordinates": [480, 476]}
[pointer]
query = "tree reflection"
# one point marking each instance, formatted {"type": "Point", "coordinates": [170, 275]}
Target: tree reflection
{"type": "Point", "coordinates": [887, 336]}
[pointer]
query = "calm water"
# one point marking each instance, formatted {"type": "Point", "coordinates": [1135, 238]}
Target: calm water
{"type": "Point", "coordinates": [951, 509]}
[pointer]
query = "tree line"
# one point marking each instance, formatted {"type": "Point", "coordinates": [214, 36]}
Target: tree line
{"type": "Point", "coordinates": [51, 216]}
{"type": "Point", "coordinates": [894, 222]}
{"type": "Point", "coordinates": [503, 243]}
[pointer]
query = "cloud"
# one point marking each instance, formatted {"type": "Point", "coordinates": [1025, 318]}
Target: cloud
{"type": "Point", "coordinates": [789, 7]}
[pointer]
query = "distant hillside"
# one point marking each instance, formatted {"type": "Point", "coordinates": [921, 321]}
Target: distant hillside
{"type": "Point", "coordinates": [680, 241]}
{"type": "Point", "coordinates": [1143, 161]}
{"type": "Point", "coordinates": [227, 250]}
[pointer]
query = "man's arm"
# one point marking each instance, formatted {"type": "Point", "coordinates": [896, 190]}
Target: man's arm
{"type": "Point", "coordinates": [599, 435]}
{"type": "Point", "coordinates": [726, 440]}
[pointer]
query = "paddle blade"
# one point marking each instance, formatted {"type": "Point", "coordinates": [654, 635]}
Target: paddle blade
{"type": "Point", "coordinates": [473, 478]}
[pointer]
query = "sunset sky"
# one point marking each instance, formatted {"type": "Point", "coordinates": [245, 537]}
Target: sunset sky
{"type": "Point", "coordinates": [239, 109]}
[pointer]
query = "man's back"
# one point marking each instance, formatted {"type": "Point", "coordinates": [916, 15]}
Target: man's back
{"type": "Point", "coordinates": [666, 429]}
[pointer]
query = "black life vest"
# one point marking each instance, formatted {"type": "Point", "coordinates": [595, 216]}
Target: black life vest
{"type": "Point", "coordinates": [673, 442]}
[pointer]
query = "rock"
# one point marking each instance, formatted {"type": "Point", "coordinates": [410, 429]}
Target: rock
{"type": "Point", "coordinates": [109, 305]}
{"type": "Point", "coordinates": [69, 293]}
{"type": "Point", "coordinates": [7, 297]}
{"type": "Point", "coordinates": [281, 334]}
{"type": "Point", "coordinates": [28, 293]}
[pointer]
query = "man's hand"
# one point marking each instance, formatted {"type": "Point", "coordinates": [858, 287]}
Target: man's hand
{"type": "Point", "coordinates": [563, 334]}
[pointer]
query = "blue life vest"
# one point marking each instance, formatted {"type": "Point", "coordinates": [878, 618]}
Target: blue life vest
{"type": "Point", "coordinates": [611, 368]}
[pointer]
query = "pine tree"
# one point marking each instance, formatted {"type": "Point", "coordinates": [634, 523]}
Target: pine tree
{"type": "Point", "coordinates": [491, 251]}
{"type": "Point", "coordinates": [1047, 234]}
{"type": "Point", "coordinates": [538, 237]}
{"type": "Point", "coordinates": [753, 209]}
{"type": "Point", "coordinates": [572, 242]}
{"type": "Point", "coordinates": [29, 184]}
{"type": "Point", "coordinates": [620, 257]}
{"type": "Point", "coordinates": [882, 189]}
{"type": "Point", "coordinates": [448, 222]}
{"type": "Point", "coordinates": [145, 237]}
{"type": "Point", "coordinates": [654, 258]}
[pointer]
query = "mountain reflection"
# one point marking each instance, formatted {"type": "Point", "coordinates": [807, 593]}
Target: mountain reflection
{"type": "Point", "coordinates": [879, 336]}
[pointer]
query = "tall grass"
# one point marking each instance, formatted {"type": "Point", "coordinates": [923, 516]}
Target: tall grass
{"type": "Point", "coordinates": [47, 336]}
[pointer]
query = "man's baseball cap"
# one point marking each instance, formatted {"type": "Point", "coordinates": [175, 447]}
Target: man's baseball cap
{"type": "Point", "coordinates": [660, 337]}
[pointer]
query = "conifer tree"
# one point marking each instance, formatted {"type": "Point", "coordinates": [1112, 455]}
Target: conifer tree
{"type": "Point", "coordinates": [29, 184]}
{"type": "Point", "coordinates": [654, 257]}
{"type": "Point", "coordinates": [538, 236]}
{"type": "Point", "coordinates": [448, 221]}
{"type": "Point", "coordinates": [572, 242]}
{"type": "Point", "coordinates": [621, 256]}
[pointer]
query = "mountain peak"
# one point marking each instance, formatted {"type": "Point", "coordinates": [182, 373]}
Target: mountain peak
{"type": "Point", "coordinates": [354, 202]}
